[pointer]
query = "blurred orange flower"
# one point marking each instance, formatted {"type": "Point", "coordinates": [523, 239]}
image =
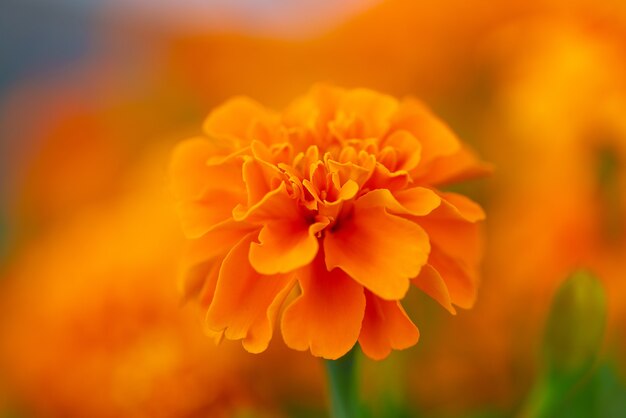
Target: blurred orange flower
{"type": "Point", "coordinates": [572, 141]}
{"type": "Point", "coordinates": [111, 338]}
{"type": "Point", "coordinates": [561, 185]}
{"type": "Point", "coordinates": [336, 194]}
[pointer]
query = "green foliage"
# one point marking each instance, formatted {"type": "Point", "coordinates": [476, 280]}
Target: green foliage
{"type": "Point", "coordinates": [575, 328]}
{"type": "Point", "coordinates": [568, 385]}
{"type": "Point", "coordinates": [343, 386]}
{"type": "Point", "coordinates": [602, 395]}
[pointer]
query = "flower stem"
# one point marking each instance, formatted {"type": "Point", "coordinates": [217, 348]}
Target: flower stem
{"type": "Point", "coordinates": [343, 386]}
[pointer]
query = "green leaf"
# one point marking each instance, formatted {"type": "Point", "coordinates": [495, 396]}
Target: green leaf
{"type": "Point", "coordinates": [573, 338]}
{"type": "Point", "coordinates": [601, 395]}
{"type": "Point", "coordinates": [575, 327]}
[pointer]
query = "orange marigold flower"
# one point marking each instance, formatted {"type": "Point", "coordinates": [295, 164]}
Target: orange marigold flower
{"type": "Point", "coordinates": [328, 210]}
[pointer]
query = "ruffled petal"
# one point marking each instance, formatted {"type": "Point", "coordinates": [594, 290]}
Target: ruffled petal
{"type": "Point", "coordinates": [418, 201]}
{"type": "Point", "coordinates": [386, 327]}
{"type": "Point", "coordinates": [457, 247]}
{"type": "Point", "coordinates": [200, 164]}
{"type": "Point", "coordinates": [205, 254]}
{"type": "Point", "coordinates": [431, 283]}
{"type": "Point", "coordinates": [383, 178]}
{"type": "Point", "coordinates": [260, 178]}
{"type": "Point", "coordinates": [460, 166]}
{"type": "Point", "coordinates": [205, 297]}
{"type": "Point", "coordinates": [275, 205]}
{"type": "Point", "coordinates": [461, 281]}
{"type": "Point", "coordinates": [189, 169]}
{"type": "Point", "coordinates": [348, 171]}
{"type": "Point", "coordinates": [201, 216]}
{"type": "Point", "coordinates": [235, 120]}
{"type": "Point", "coordinates": [363, 113]}
{"type": "Point", "coordinates": [458, 239]}
{"type": "Point", "coordinates": [408, 149]}
{"type": "Point", "coordinates": [314, 110]}
{"type": "Point", "coordinates": [285, 246]}
{"type": "Point", "coordinates": [198, 184]}
{"type": "Point", "coordinates": [456, 206]}
{"type": "Point", "coordinates": [245, 303]}
{"type": "Point", "coordinates": [326, 317]}
{"type": "Point", "coordinates": [379, 250]}
{"type": "Point", "coordinates": [215, 243]}
{"type": "Point", "coordinates": [435, 137]}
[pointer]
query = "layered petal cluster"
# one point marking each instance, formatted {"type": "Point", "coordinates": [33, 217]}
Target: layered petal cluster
{"type": "Point", "coordinates": [324, 215]}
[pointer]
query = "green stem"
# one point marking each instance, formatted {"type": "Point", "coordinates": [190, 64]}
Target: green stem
{"type": "Point", "coordinates": [538, 402]}
{"type": "Point", "coordinates": [343, 386]}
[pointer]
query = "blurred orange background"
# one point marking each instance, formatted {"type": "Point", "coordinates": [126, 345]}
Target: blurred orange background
{"type": "Point", "coordinates": [93, 96]}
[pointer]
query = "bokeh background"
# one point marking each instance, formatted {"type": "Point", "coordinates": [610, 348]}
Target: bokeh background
{"type": "Point", "coordinates": [94, 94]}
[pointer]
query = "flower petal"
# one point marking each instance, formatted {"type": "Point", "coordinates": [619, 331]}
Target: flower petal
{"type": "Point", "coordinates": [192, 175]}
{"type": "Point", "coordinates": [418, 201]}
{"type": "Point", "coordinates": [285, 246]}
{"type": "Point", "coordinates": [436, 138]}
{"type": "Point", "coordinates": [386, 326]}
{"type": "Point", "coordinates": [373, 109]}
{"type": "Point", "coordinates": [193, 279]}
{"type": "Point", "coordinates": [431, 283]}
{"type": "Point", "coordinates": [456, 206]}
{"type": "Point", "coordinates": [245, 303]}
{"type": "Point", "coordinates": [198, 185]}
{"type": "Point", "coordinates": [201, 216]}
{"type": "Point", "coordinates": [313, 110]}
{"type": "Point", "coordinates": [458, 239]}
{"type": "Point", "coordinates": [456, 254]}
{"type": "Point", "coordinates": [379, 250]}
{"type": "Point", "coordinates": [260, 178]}
{"type": "Point", "coordinates": [326, 317]}
{"type": "Point", "coordinates": [206, 294]}
{"type": "Point", "coordinates": [459, 166]}
{"type": "Point", "coordinates": [275, 205]}
{"type": "Point", "coordinates": [461, 281]}
{"type": "Point", "coordinates": [217, 242]}
{"type": "Point", "coordinates": [235, 120]}
{"type": "Point", "coordinates": [383, 178]}
{"type": "Point", "coordinates": [347, 171]}
{"type": "Point", "coordinates": [407, 147]}
{"type": "Point", "coordinates": [188, 168]}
